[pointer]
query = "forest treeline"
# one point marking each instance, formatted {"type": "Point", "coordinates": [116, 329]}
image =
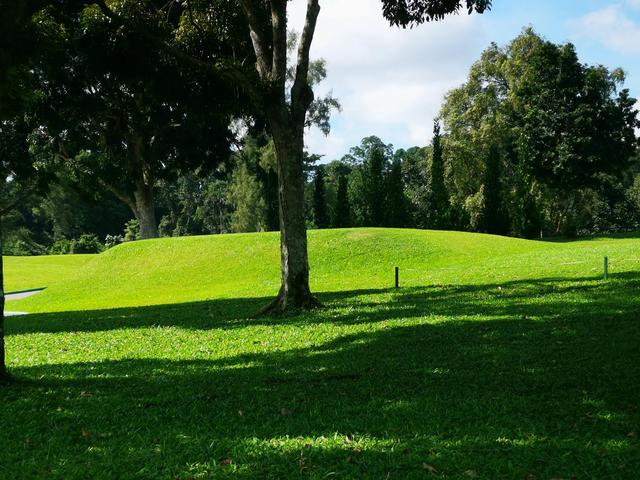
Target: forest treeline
{"type": "Point", "coordinates": [534, 143]}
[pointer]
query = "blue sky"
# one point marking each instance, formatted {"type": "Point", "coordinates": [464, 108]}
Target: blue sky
{"type": "Point", "coordinates": [391, 82]}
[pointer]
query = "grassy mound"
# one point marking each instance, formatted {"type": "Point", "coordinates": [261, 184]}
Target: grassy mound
{"type": "Point", "coordinates": [168, 271]}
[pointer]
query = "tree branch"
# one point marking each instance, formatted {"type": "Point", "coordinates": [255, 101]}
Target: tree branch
{"type": "Point", "coordinates": [225, 72]}
{"type": "Point", "coordinates": [260, 46]}
{"type": "Point", "coordinates": [119, 194]}
{"type": "Point", "coordinates": [26, 192]}
{"type": "Point", "coordinates": [279, 32]}
{"type": "Point", "coordinates": [301, 94]}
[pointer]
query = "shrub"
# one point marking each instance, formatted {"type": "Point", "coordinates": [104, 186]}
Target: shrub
{"type": "Point", "coordinates": [111, 241]}
{"type": "Point", "coordinates": [131, 231]}
{"type": "Point", "coordinates": [87, 243]}
{"type": "Point", "coordinates": [61, 247]}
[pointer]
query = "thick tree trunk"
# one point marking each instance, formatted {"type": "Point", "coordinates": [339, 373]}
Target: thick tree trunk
{"type": "Point", "coordinates": [294, 290]}
{"type": "Point", "coordinates": [4, 376]}
{"type": "Point", "coordinates": [286, 121]}
{"type": "Point", "coordinates": [145, 211]}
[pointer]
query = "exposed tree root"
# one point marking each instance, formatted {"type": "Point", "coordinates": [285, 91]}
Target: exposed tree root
{"type": "Point", "coordinates": [285, 304]}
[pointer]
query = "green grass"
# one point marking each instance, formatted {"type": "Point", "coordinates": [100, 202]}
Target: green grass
{"type": "Point", "coordinates": [22, 273]}
{"type": "Point", "coordinates": [499, 358]}
{"type": "Point", "coordinates": [180, 270]}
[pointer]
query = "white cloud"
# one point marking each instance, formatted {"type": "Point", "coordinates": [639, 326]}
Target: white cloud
{"type": "Point", "coordinates": [391, 82]}
{"type": "Point", "coordinates": [612, 27]}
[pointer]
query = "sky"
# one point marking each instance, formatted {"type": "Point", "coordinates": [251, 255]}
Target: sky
{"type": "Point", "coordinates": [392, 82]}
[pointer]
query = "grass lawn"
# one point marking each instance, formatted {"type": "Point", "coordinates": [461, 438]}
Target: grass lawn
{"type": "Point", "coordinates": [499, 358]}
{"type": "Point", "coordinates": [22, 273]}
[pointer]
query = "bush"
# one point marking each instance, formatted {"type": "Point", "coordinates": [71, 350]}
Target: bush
{"type": "Point", "coordinates": [87, 243]}
{"type": "Point", "coordinates": [111, 241]}
{"type": "Point", "coordinates": [131, 231]}
{"type": "Point", "coordinates": [61, 247]}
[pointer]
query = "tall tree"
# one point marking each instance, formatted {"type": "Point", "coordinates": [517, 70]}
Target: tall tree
{"type": "Point", "coordinates": [370, 161]}
{"type": "Point", "coordinates": [342, 212]}
{"type": "Point", "coordinates": [396, 201]}
{"type": "Point", "coordinates": [286, 113]}
{"type": "Point", "coordinates": [125, 125]}
{"type": "Point", "coordinates": [415, 176]}
{"type": "Point", "coordinates": [559, 124]}
{"type": "Point", "coordinates": [19, 44]}
{"type": "Point", "coordinates": [494, 215]}
{"type": "Point", "coordinates": [285, 105]}
{"type": "Point", "coordinates": [247, 198]}
{"type": "Point", "coordinates": [320, 214]}
{"type": "Point", "coordinates": [438, 195]}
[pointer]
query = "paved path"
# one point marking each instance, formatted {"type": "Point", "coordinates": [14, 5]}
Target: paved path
{"type": "Point", "coordinates": [20, 296]}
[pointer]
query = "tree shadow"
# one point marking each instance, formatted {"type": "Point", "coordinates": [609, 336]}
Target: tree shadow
{"type": "Point", "coordinates": [467, 396]}
{"type": "Point", "coordinates": [520, 298]}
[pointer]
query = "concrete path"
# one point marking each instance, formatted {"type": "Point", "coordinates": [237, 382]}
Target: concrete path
{"type": "Point", "coordinates": [19, 296]}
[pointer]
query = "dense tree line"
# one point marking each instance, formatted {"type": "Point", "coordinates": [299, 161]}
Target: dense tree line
{"type": "Point", "coordinates": [534, 143]}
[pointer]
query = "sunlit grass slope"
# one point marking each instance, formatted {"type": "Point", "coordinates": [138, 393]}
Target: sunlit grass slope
{"type": "Point", "coordinates": [22, 273]}
{"type": "Point", "coordinates": [179, 270]}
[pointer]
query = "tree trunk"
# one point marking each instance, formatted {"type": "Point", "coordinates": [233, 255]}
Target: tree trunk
{"type": "Point", "coordinates": [286, 121]}
{"type": "Point", "coordinates": [294, 290]}
{"type": "Point", "coordinates": [4, 376]}
{"type": "Point", "coordinates": [145, 211]}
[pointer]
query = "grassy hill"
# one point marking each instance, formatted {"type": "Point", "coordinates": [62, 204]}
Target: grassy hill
{"type": "Point", "coordinates": [168, 271]}
{"type": "Point", "coordinates": [23, 273]}
{"type": "Point", "coordinates": [498, 358]}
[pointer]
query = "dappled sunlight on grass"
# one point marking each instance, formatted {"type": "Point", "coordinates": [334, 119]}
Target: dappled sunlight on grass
{"type": "Point", "coordinates": [530, 377]}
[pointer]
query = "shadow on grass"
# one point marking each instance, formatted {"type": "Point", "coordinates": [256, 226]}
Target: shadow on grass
{"type": "Point", "coordinates": [543, 381]}
{"type": "Point", "coordinates": [607, 236]}
{"type": "Point", "coordinates": [513, 298]}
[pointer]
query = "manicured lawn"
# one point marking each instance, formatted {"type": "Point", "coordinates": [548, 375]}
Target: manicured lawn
{"type": "Point", "coordinates": [23, 273]}
{"type": "Point", "coordinates": [498, 358]}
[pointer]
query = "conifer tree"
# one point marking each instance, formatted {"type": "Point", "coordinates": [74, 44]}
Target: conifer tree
{"type": "Point", "coordinates": [396, 211]}
{"type": "Point", "coordinates": [343, 209]}
{"type": "Point", "coordinates": [375, 186]}
{"type": "Point", "coordinates": [320, 216]}
{"type": "Point", "coordinates": [439, 198]}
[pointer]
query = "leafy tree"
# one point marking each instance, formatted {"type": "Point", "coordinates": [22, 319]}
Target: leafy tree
{"type": "Point", "coordinates": [128, 124]}
{"type": "Point", "coordinates": [320, 215]}
{"type": "Point", "coordinates": [370, 161]}
{"type": "Point", "coordinates": [246, 197]}
{"type": "Point", "coordinates": [283, 100]}
{"type": "Point", "coordinates": [560, 124]}
{"type": "Point", "coordinates": [339, 178]}
{"type": "Point", "coordinates": [195, 205]}
{"type": "Point", "coordinates": [415, 176]}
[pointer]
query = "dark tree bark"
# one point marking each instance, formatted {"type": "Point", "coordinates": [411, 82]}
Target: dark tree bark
{"type": "Point", "coordinates": [145, 210]}
{"type": "Point", "coordinates": [142, 200]}
{"type": "Point", "coordinates": [4, 376]}
{"type": "Point", "coordinates": [294, 290]}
